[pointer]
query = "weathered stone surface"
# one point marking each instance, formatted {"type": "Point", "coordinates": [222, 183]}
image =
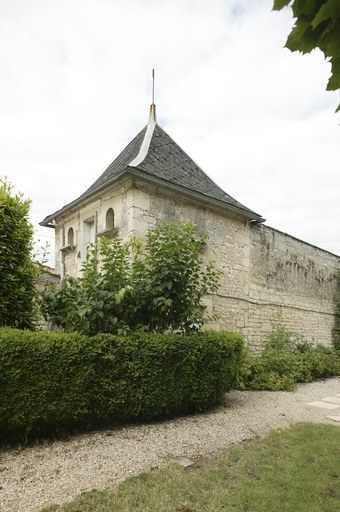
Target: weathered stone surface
{"type": "Point", "coordinates": [183, 461]}
{"type": "Point", "coordinates": [334, 418]}
{"type": "Point", "coordinates": [332, 400]}
{"type": "Point", "coordinates": [323, 405]}
{"type": "Point", "coordinates": [269, 278]}
{"type": "Point", "coordinates": [292, 283]}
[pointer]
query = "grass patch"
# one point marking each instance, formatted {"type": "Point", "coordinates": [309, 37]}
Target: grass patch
{"type": "Point", "coordinates": [293, 470]}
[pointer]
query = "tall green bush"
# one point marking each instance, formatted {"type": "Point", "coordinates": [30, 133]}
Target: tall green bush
{"type": "Point", "coordinates": [17, 271]}
{"type": "Point", "coordinates": [158, 284]}
{"type": "Point", "coordinates": [50, 381]}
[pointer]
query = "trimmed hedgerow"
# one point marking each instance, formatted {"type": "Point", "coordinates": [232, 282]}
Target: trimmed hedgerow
{"type": "Point", "coordinates": [54, 381]}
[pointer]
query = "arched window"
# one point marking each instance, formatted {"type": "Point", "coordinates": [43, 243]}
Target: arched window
{"type": "Point", "coordinates": [110, 219]}
{"type": "Point", "coordinates": [70, 237]}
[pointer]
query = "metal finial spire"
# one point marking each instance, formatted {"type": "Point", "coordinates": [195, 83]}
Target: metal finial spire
{"type": "Point", "coordinates": [153, 106]}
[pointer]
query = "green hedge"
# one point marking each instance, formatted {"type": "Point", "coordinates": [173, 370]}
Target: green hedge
{"type": "Point", "coordinates": [286, 359]}
{"type": "Point", "coordinates": [53, 381]}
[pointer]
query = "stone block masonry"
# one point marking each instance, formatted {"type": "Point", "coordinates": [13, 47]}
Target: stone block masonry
{"type": "Point", "coordinates": [292, 284]}
{"type": "Point", "coordinates": [268, 278]}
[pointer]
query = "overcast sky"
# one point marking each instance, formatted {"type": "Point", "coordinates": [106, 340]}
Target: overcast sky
{"type": "Point", "coordinates": [75, 88]}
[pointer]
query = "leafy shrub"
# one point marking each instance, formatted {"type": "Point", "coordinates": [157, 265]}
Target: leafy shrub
{"type": "Point", "coordinates": [52, 381]}
{"type": "Point", "coordinates": [17, 271]}
{"type": "Point", "coordinates": [286, 359]}
{"type": "Point", "coordinates": [158, 284]}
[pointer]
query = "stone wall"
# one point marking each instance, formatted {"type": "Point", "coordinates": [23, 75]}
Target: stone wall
{"type": "Point", "coordinates": [228, 242]}
{"type": "Point", "coordinates": [291, 283]}
{"type": "Point", "coordinates": [228, 246]}
{"type": "Point", "coordinates": [47, 278]}
{"type": "Point", "coordinates": [268, 278]}
{"type": "Point", "coordinates": [71, 256]}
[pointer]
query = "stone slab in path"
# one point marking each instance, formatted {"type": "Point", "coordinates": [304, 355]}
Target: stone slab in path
{"type": "Point", "coordinates": [324, 405]}
{"type": "Point", "coordinates": [334, 418]}
{"type": "Point", "coordinates": [332, 399]}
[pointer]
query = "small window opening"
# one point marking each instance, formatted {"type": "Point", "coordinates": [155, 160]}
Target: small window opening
{"type": "Point", "coordinates": [70, 237]}
{"type": "Point", "coordinates": [110, 219]}
{"type": "Point", "coordinates": [88, 235]}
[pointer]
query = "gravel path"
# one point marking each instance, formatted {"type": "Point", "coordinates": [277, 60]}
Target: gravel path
{"type": "Point", "coordinates": [57, 472]}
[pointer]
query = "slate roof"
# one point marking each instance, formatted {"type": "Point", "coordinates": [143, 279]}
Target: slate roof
{"type": "Point", "coordinates": [153, 155]}
{"type": "Point", "coordinates": [118, 166]}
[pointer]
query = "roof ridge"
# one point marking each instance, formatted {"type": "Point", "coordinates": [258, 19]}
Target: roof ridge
{"type": "Point", "coordinates": [144, 148]}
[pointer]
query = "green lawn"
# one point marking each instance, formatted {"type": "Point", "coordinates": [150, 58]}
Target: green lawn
{"type": "Point", "coordinates": [295, 470]}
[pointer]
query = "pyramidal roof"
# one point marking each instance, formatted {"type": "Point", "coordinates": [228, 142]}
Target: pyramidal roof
{"type": "Point", "coordinates": [154, 157]}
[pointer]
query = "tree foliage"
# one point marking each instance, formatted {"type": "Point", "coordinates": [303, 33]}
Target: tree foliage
{"type": "Point", "coordinates": [157, 284]}
{"type": "Point", "coordinates": [17, 271]}
{"type": "Point", "coordinates": [317, 25]}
